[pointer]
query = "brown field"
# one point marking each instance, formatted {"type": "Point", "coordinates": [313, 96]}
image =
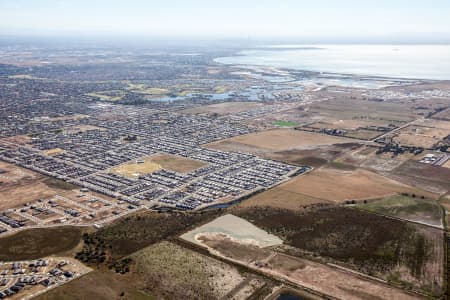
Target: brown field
{"type": "Point", "coordinates": [340, 185]}
{"type": "Point", "coordinates": [318, 277]}
{"type": "Point", "coordinates": [223, 108]}
{"type": "Point", "coordinates": [343, 108]}
{"type": "Point", "coordinates": [101, 285]}
{"type": "Point", "coordinates": [157, 162]}
{"type": "Point", "coordinates": [53, 151]}
{"type": "Point", "coordinates": [177, 163]}
{"type": "Point", "coordinates": [424, 133]}
{"type": "Point", "coordinates": [447, 164]}
{"type": "Point", "coordinates": [278, 197]}
{"type": "Point", "coordinates": [24, 192]}
{"type": "Point", "coordinates": [432, 178]}
{"type": "Point", "coordinates": [316, 157]}
{"type": "Point", "coordinates": [134, 169]}
{"type": "Point", "coordinates": [443, 115]}
{"type": "Point", "coordinates": [279, 140]}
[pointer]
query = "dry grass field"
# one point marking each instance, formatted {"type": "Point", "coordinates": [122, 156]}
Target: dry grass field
{"type": "Point", "coordinates": [336, 185]}
{"type": "Point", "coordinates": [343, 108]}
{"type": "Point", "coordinates": [278, 197]}
{"type": "Point", "coordinates": [428, 177]}
{"type": "Point", "coordinates": [157, 162]}
{"type": "Point", "coordinates": [54, 151]}
{"type": "Point", "coordinates": [279, 140]}
{"type": "Point", "coordinates": [136, 169]}
{"type": "Point", "coordinates": [177, 163]}
{"type": "Point", "coordinates": [24, 192]}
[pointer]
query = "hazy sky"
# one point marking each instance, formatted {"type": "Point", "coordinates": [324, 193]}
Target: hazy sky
{"type": "Point", "coordinates": [228, 18]}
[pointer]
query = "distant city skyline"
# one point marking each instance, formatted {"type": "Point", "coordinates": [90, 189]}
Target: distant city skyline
{"type": "Point", "coordinates": [314, 20]}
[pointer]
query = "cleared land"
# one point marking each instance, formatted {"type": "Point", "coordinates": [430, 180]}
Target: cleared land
{"type": "Point", "coordinates": [54, 151]}
{"type": "Point", "coordinates": [428, 177]}
{"type": "Point", "coordinates": [154, 163]}
{"type": "Point", "coordinates": [279, 140]}
{"type": "Point", "coordinates": [281, 198]}
{"type": "Point", "coordinates": [177, 163]}
{"type": "Point", "coordinates": [316, 157]}
{"type": "Point", "coordinates": [397, 251]}
{"type": "Point", "coordinates": [408, 208]}
{"type": "Point", "coordinates": [136, 169]}
{"type": "Point", "coordinates": [24, 192]}
{"type": "Point", "coordinates": [339, 185]}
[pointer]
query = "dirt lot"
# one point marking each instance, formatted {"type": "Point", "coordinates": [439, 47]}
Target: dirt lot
{"type": "Point", "coordinates": [336, 185]}
{"type": "Point", "coordinates": [279, 140]}
{"type": "Point", "coordinates": [366, 157]}
{"type": "Point", "coordinates": [24, 192]}
{"type": "Point", "coordinates": [318, 277]}
{"type": "Point", "coordinates": [401, 252]}
{"type": "Point", "coordinates": [223, 108]}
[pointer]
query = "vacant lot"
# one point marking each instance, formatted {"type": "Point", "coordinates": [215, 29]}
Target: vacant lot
{"type": "Point", "coordinates": [136, 169]}
{"type": "Point", "coordinates": [408, 208]}
{"type": "Point", "coordinates": [340, 185]}
{"type": "Point", "coordinates": [177, 163]}
{"type": "Point", "coordinates": [278, 197]}
{"type": "Point", "coordinates": [38, 243]}
{"type": "Point", "coordinates": [380, 113]}
{"type": "Point", "coordinates": [280, 140]}
{"type": "Point", "coordinates": [157, 162]}
{"type": "Point", "coordinates": [375, 245]}
{"type": "Point", "coordinates": [224, 108]}
{"type": "Point", "coordinates": [23, 192]}
{"type": "Point", "coordinates": [316, 157]}
{"type": "Point", "coordinates": [101, 285]}
{"type": "Point", "coordinates": [433, 178]}
{"type": "Point", "coordinates": [54, 151]}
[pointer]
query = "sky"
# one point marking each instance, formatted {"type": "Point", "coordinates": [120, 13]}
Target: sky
{"type": "Point", "coordinates": [332, 19]}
